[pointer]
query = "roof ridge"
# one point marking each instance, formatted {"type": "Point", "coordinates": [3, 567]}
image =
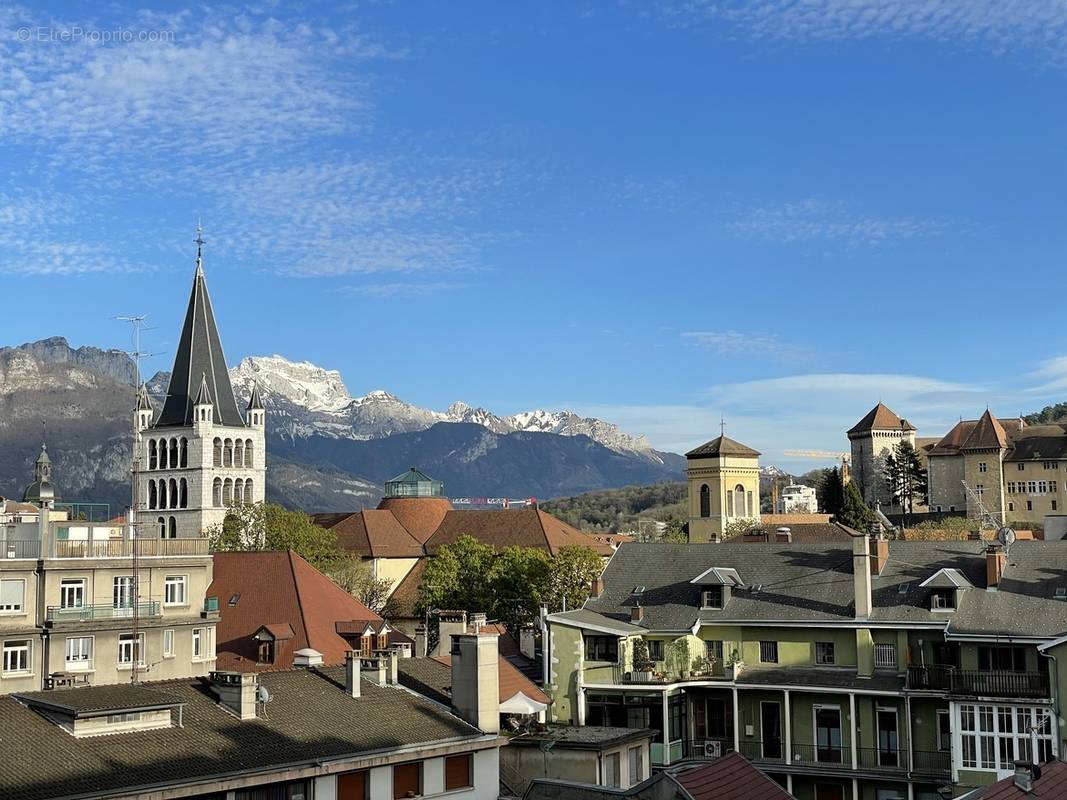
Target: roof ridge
{"type": "Point", "coordinates": [299, 596]}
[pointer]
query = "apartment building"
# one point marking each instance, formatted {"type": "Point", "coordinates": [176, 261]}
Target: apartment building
{"type": "Point", "coordinates": [877, 671]}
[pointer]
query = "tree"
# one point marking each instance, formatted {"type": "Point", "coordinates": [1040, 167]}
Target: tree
{"type": "Point", "coordinates": [520, 582]}
{"type": "Point", "coordinates": [350, 572]}
{"type": "Point", "coordinates": [905, 477]}
{"type": "Point", "coordinates": [573, 570]}
{"type": "Point", "coordinates": [854, 511]}
{"type": "Point", "coordinates": [266, 526]}
{"type": "Point", "coordinates": [459, 577]}
{"type": "Point", "coordinates": [831, 492]}
{"type": "Point", "coordinates": [739, 527]}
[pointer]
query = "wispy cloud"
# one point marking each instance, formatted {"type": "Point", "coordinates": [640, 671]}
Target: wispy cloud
{"type": "Point", "coordinates": [402, 289]}
{"type": "Point", "coordinates": [816, 220]}
{"type": "Point", "coordinates": [739, 343]}
{"type": "Point", "coordinates": [1029, 29]}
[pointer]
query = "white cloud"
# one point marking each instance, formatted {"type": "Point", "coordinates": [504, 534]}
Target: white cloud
{"type": "Point", "coordinates": [402, 289]}
{"type": "Point", "coordinates": [738, 343]}
{"type": "Point", "coordinates": [816, 220]}
{"type": "Point", "coordinates": [1028, 29]}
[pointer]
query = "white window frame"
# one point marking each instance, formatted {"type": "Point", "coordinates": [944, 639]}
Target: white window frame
{"type": "Point", "coordinates": [168, 643]}
{"type": "Point", "coordinates": [986, 743]}
{"type": "Point", "coordinates": [880, 649]}
{"type": "Point", "coordinates": [203, 644]}
{"type": "Point", "coordinates": [769, 642]}
{"type": "Point", "coordinates": [14, 609]}
{"type": "Point", "coordinates": [72, 589]}
{"type": "Point", "coordinates": [171, 582]}
{"type": "Point", "coordinates": [613, 770]}
{"type": "Point", "coordinates": [14, 646]}
{"type": "Point", "coordinates": [84, 655]}
{"type": "Point", "coordinates": [705, 595]}
{"type": "Point", "coordinates": [833, 654]}
{"type": "Point", "coordinates": [943, 727]}
{"type": "Point", "coordinates": [135, 644]}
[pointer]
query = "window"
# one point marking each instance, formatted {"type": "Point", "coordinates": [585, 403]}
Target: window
{"type": "Point", "coordinates": [982, 466]}
{"type": "Point", "coordinates": [17, 656]}
{"type": "Point", "coordinates": [174, 591]}
{"type": "Point", "coordinates": [72, 592]}
{"type": "Point", "coordinates": [979, 489]}
{"type": "Point", "coordinates": [265, 653]}
{"type": "Point", "coordinates": [1053, 505]}
{"type": "Point", "coordinates": [407, 780]}
{"type": "Point", "coordinates": [118, 719]}
{"type": "Point", "coordinates": [122, 592]}
{"type": "Point", "coordinates": [1029, 505]}
{"type": "Point", "coordinates": [943, 599]}
{"type": "Point", "coordinates": [824, 652]}
{"type": "Point", "coordinates": [353, 785]}
{"type": "Point", "coordinates": [12, 596]}
{"type": "Point", "coordinates": [601, 648]}
{"type": "Point", "coordinates": [612, 771]}
{"type": "Point", "coordinates": [713, 651]}
{"type": "Point", "coordinates": [944, 731]}
{"type": "Point", "coordinates": [885, 656]}
{"type": "Point", "coordinates": [168, 643]}
{"type": "Point", "coordinates": [202, 644]}
{"type": "Point", "coordinates": [712, 597]}
{"type": "Point", "coordinates": [79, 652]}
{"type": "Point", "coordinates": [1011, 506]}
{"type": "Point", "coordinates": [655, 649]}
{"type": "Point", "coordinates": [768, 652]}
{"type": "Point", "coordinates": [1042, 487]}
{"type": "Point", "coordinates": [1005, 659]}
{"type": "Point", "coordinates": [130, 648]}
{"type": "Point", "coordinates": [1049, 465]}
{"type": "Point", "coordinates": [1021, 466]}
{"type": "Point", "coordinates": [994, 737]}
{"type": "Point", "coordinates": [459, 772]}
{"type": "Point", "coordinates": [637, 765]}
{"type": "Point", "coordinates": [705, 501]}
{"type": "Point", "coordinates": [1031, 487]}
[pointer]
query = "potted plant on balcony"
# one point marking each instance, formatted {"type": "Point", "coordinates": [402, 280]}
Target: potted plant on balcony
{"type": "Point", "coordinates": [733, 666]}
{"type": "Point", "coordinates": [677, 657]}
{"type": "Point", "coordinates": [701, 667]}
{"type": "Point", "coordinates": [642, 663]}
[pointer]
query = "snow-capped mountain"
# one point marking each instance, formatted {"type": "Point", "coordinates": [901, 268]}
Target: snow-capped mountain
{"type": "Point", "coordinates": [306, 400]}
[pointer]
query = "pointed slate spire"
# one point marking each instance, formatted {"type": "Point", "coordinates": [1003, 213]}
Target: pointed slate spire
{"type": "Point", "coordinates": [255, 402]}
{"type": "Point", "coordinates": [203, 394]}
{"type": "Point", "coordinates": [144, 402]}
{"type": "Point", "coordinates": [199, 355]}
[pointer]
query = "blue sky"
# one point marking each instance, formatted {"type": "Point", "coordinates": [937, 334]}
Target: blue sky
{"type": "Point", "coordinates": [659, 213]}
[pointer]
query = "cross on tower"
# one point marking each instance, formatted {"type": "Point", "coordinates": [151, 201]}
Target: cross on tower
{"type": "Point", "coordinates": [722, 426]}
{"type": "Point", "coordinates": [199, 244]}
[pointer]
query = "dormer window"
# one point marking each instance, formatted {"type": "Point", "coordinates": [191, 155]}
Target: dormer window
{"type": "Point", "coordinates": [266, 653]}
{"type": "Point", "coordinates": [943, 600]}
{"type": "Point", "coordinates": [712, 597]}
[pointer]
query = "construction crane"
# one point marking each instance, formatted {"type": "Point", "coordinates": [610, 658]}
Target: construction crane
{"type": "Point", "coordinates": [826, 455]}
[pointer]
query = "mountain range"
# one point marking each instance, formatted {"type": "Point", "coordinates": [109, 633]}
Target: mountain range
{"type": "Point", "coordinates": [327, 449]}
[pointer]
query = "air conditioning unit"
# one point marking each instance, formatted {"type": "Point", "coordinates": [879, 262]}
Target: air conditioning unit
{"type": "Point", "coordinates": [712, 749]}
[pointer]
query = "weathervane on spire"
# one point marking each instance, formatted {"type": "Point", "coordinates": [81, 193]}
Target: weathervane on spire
{"type": "Point", "coordinates": [199, 246]}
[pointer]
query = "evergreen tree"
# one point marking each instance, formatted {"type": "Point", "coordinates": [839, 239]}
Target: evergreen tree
{"type": "Point", "coordinates": [905, 477]}
{"type": "Point", "coordinates": [831, 492]}
{"type": "Point", "coordinates": [854, 512]}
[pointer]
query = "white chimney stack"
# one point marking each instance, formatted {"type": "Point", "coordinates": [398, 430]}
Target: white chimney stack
{"type": "Point", "coordinates": [237, 691]}
{"type": "Point", "coordinates": [476, 680]}
{"type": "Point", "coordinates": [352, 673]}
{"type": "Point", "coordinates": [861, 575]}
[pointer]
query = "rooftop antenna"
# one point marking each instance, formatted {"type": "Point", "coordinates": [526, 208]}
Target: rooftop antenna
{"type": "Point", "coordinates": [199, 246]}
{"type": "Point", "coordinates": [137, 324]}
{"type": "Point", "coordinates": [722, 426]}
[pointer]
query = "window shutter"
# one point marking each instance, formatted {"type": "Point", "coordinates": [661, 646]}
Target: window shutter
{"type": "Point", "coordinates": [407, 780]}
{"type": "Point", "coordinates": [11, 593]}
{"type": "Point", "coordinates": [458, 772]}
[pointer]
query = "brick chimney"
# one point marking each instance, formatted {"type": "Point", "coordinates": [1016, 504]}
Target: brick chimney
{"type": "Point", "coordinates": [476, 680]}
{"type": "Point", "coordinates": [637, 613]}
{"type": "Point", "coordinates": [994, 565]}
{"type": "Point", "coordinates": [352, 664]}
{"type": "Point", "coordinates": [1025, 775]}
{"type": "Point", "coordinates": [861, 576]}
{"type": "Point", "coordinates": [879, 552]}
{"type": "Point", "coordinates": [596, 588]}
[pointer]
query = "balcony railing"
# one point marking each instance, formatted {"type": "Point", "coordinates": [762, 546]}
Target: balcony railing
{"type": "Point", "coordinates": [102, 611]}
{"type": "Point", "coordinates": [661, 676]}
{"type": "Point", "coordinates": [20, 548]}
{"type": "Point", "coordinates": [839, 757]}
{"type": "Point", "coordinates": [123, 547]}
{"type": "Point", "coordinates": [975, 683]}
{"type": "Point", "coordinates": [926, 762]}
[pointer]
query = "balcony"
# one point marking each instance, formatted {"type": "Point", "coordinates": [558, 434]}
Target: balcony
{"type": "Point", "coordinates": [934, 765]}
{"type": "Point", "coordinates": [102, 611]}
{"type": "Point", "coordinates": [123, 548]}
{"type": "Point", "coordinates": [20, 548]}
{"type": "Point", "coordinates": [974, 683]}
{"type": "Point", "coordinates": [664, 676]}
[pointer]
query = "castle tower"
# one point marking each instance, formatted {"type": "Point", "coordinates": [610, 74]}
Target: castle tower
{"type": "Point", "coordinates": [983, 465]}
{"type": "Point", "coordinates": [872, 439]}
{"type": "Point", "coordinates": [723, 480]}
{"type": "Point", "coordinates": [200, 454]}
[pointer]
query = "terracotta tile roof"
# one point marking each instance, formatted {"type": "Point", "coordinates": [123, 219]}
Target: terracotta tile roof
{"type": "Point", "coordinates": [506, 643]}
{"type": "Point", "coordinates": [775, 520]}
{"type": "Point", "coordinates": [723, 446]}
{"type": "Point", "coordinates": [728, 778]}
{"type": "Point", "coordinates": [279, 588]}
{"type": "Point", "coordinates": [420, 516]}
{"type": "Point", "coordinates": [524, 527]}
{"type": "Point", "coordinates": [951, 442]}
{"type": "Point", "coordinates": [371, 533]}
{"type": "Point", "coordinates": [280, 631]}
{"type": "Point", "coordinates": [987, 433]}
{"type": "Point", "coordinates": [881, 417]}
{"type": "Point", "coordinates": [1052, 785]}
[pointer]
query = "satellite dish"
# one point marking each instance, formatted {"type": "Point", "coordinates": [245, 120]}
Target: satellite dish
{"type": "Point", "coordinates": [1006, 536]}
{"type": "Point", "coordinates": [262, 695]}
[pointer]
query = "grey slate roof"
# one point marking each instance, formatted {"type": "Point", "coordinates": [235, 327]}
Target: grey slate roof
{"type": "Point", "coordinates": [91, 700]}
{"type": "Point", "coordinates": [831, 677]}
{"type": "Point", "coordinates": [199, 357]}
{"type": "Point", "coordinates": [309, 718]}
{"type": "Point", "coordinates": [723, 446]}
{"type": "Point", "coordinates": [581, 617]}
{"type": "Point", "coordinates": [814, 583]}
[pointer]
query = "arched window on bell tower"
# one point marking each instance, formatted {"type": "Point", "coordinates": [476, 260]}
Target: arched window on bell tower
{"type": "Point", "coordinates": [705, 501]}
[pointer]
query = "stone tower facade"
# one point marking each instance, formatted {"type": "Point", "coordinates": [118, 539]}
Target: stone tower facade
{"type": "Point", "coordinates": [200, 453]}
{"type": "Point", "coordinates": [872, 439]}
{"type": "Point", "coordinates": [723, 477]}
{"type": "Point", "coordinates": [983, 466]}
